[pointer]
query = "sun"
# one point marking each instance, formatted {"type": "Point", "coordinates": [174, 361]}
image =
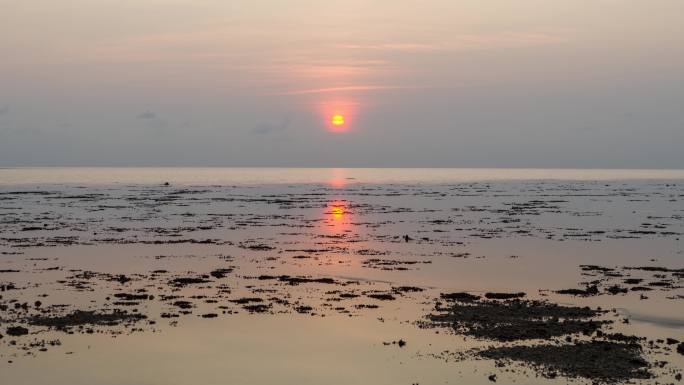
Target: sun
{"type": "Point", "coordinates": [337, 120]}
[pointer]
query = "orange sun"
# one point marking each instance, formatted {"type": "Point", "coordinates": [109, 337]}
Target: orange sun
{"type": "Point", "coordinates": [338, 116]}
{"type": "Point", "coordinates": [337, 120]}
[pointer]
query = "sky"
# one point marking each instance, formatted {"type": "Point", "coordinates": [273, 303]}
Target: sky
{"type": "Point", "coordinates": [429, 83]}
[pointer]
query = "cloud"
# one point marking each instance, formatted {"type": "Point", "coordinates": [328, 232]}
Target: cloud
{"type": "Point", "coordinates": [462, 42]}
{"type": "Point", "coordinates": [147, 115]}
{"type": "Point", "coordinates": [343, 89]}
{"type": "Point", "coordinates": [409, 47]}
{"type": "Point", "coordinates": [269, 128]}
{"type": "Point", "coordinates": [4, 110]}
{"type": "Point", "coordinates": [152, 120]}
{"type": "Point", "coordinates": [215, 48]}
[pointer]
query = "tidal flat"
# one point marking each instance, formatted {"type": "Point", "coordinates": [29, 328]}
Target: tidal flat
{"type": "Point", "coordinates": [345, 281]}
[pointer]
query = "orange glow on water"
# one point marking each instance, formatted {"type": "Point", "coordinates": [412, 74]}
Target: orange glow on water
{"type": "Point", "coordinates": [337, 212]}
{"type": "Point", "coordinates": [338, 216]}
{"type": "Point", "coordinates": [338, 178]}
{"type": "Point", "coordinates": [337, 182]}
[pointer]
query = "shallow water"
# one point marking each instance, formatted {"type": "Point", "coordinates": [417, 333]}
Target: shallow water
{"type": "Point", "coordinates": [67, 236]}
{"type": "Point", "coordinates": [336, 177]}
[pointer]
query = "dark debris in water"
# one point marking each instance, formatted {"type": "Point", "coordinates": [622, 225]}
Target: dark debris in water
{"type": "Point", "coordinates": [596, 360]}
{"type": "Point", "coordinates": [16, 331]}
{"type": "Point", "coordinates": [513, 320]}
{"type": "Point", "coordinates": [610, 280]}
{"type": "Point", "coordinates": [504, 295]}
{"type": "Point", "coordinates": [184, 281]}
{"type": "Point", "coordinates": [555, 340]}
{"type": "Point", "coordinates": [85, 318]}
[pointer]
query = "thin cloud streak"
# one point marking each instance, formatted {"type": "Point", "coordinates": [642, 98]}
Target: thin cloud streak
{"type": "Point", "coordinates": [468, 42]}
{"type": "Point", "coordinates": [361, 88]}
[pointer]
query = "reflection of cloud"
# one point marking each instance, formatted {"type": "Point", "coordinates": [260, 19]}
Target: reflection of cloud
{"type": "Point", "coordinates": [268, 128]}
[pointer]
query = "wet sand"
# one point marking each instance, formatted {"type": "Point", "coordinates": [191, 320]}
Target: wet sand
{"type": "Point", "coordinates": [342, 282]}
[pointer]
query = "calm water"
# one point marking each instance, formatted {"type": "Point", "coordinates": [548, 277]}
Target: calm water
{"type": "Point", "coordinates": [68, 235]}
{"type": "Point", "coordinates": [144, 175]}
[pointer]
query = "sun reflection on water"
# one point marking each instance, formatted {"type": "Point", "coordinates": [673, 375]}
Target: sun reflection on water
{"type": "Point", "coordinates": [337, 216]}
{"type": "Point", "coordinates": [338, 179]}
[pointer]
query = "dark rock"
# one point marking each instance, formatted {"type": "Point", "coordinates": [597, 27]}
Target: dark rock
{"type": "Point", "coordinates": [615, 289]}
{"type": "Point", "coordinates": [183, 304]}
{"type": "Point", "coordinates": [504, 295]}
{"type": "Point", "coordinates": [80, 318]}
{"type": "Point", "coordinates": [462, 297]}
{"type": "Point", "coordinates": [184, 281]}
{"type": "Point", "coordinates": [220, 273]}
{"type": "Point", "coordinates": [16, 331]}
{"type": "Point", "coordinates": [589, 291]}
{"type": "Point", "coordinates": [382, 296]}
{"type": "Point", "coordinates": [595, 360]}
{"type": "Point", "coordinates": [515, 319]}
{"type": "Point", "coordinates": [245, 300]}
